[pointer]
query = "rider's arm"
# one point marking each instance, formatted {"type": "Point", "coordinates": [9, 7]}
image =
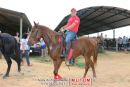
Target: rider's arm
{"type": "Point", "coordinates": [66, 27]}
{"type": "Point", "coordinates": [70, 27]}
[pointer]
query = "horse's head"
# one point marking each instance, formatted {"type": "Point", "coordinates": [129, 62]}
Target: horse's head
{"type": "Point", "coordinates": [35, 34]}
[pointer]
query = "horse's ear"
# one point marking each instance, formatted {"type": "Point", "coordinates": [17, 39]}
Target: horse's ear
{"type": "Point", "coordinates": [35, 23]}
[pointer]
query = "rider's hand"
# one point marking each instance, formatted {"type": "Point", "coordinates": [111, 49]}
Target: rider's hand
{"type": "Point", "coordinates": [62, 29]}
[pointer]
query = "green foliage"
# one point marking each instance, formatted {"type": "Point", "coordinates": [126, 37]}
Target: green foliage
{"type": "Point", "coordinates": [101, 50]}
{"type": "Point", "coordinates": [80, 62]}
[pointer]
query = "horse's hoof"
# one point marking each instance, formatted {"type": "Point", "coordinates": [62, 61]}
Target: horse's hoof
{"type": "Point", "coordinates": [5, 76]}
{"type": "Point", "coordinates": [57, 77]}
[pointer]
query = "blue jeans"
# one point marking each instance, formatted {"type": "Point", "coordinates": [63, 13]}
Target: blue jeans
{"type": "Point", "coordinates": [69, 37]}
{"type": "Point", "coordinates": [26, 54]}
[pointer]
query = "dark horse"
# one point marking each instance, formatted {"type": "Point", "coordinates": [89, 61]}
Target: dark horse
{"type": "Point", "coordinates": [84, 46]}
{"type": "Point", "coordinates": [10, 49]}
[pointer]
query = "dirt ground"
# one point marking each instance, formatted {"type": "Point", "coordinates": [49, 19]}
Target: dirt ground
{"type": "Point", "coordinates": [113, 70]}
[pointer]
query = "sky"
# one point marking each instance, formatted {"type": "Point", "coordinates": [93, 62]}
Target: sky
{"type": "Point", "coordinates": [51, 12]}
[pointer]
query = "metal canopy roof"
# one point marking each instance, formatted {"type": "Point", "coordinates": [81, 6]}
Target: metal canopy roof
{"type": "Point", "coordinates": [99, 18]}
{"type": "Point", "coordinates": [10, 21]}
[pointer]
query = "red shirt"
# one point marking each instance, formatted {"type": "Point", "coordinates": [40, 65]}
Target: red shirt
{"type": "Point", "coordinates": [74, 19]}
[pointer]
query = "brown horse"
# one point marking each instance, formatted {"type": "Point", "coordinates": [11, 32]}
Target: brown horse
{"type": "Point", "coordinates": [84, 46]}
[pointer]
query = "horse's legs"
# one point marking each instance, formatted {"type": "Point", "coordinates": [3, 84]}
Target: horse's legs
{"type": "Point", "coordinates": [57, 64]}
{"type": "Point", "coordinates": [9, 62]}
{"type": "Point", "coordinates": [18, 61]}
{"type": "Point", "coordinates": [55, 67]}
{"type": "Point", "coordinates": [86, 66]}
{"type": "Point", "coordinates": [19, 65]}
{"type": "Point", "coordinates": [93, 68]}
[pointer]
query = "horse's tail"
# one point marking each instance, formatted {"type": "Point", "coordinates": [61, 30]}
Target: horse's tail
{"type": "Point", "coordinates": [17, 49]}
{"type": "Point", "coordinates": [95, 54]}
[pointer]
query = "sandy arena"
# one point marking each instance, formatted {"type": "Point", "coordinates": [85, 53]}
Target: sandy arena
{"type": "Point", "coordinates": [113, 70]}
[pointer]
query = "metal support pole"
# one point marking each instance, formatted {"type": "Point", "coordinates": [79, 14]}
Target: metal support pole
{"type": "Point", "coordinates": [113, 33]}
{"type": "Point", "coordinates": [116, 40]}
{"type": "Point", "coordinates": [21, 27]}
{"type": "Point", "coordinates": [28, 29]}
{"type": "Point", "coordinates": [98, 34]}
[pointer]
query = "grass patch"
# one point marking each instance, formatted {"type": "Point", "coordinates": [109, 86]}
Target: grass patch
{"type": "Point", "coordinates": [40, 59]}
{"type": "Point", "coordinates": [80, 62]}
{"type": "Point", "coordinates": [80, 65]}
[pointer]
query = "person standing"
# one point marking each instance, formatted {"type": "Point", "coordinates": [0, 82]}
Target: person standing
{"type": "Point", "coordinates": [71, 28]}
{"type": "Point", "coordinates": [25, 49]}
{"type": "Point", "coordinates": [17, 38]}
{"type": "Point", "coordinates": [124, 42]}
{"type": "Point", "coordinates": [43, 48]}
{"type": "Point", "coordinates": [119, 43]}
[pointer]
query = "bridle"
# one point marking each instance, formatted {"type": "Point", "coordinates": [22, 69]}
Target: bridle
{"type": "Point", "coordinates": [36, 34]}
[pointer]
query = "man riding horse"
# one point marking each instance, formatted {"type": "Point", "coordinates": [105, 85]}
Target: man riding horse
{"type": "Point", "coordinates": [72, 28]}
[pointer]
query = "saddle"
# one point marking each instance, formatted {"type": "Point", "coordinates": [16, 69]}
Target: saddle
{"type": "Point", "coordinates": [61, 40]}
{"type": "Point", "coordinates": [62, 37]}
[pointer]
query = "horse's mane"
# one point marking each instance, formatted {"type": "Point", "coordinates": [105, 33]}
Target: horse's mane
{"type": "Point", "coordinates": [47, 29]}
{"type": "Point", "coordinates": [51, 33]}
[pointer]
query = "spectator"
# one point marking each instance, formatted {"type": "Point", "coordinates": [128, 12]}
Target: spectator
{"type": "Point", "coordinates": [129, 42]}
{"type": "Point", "coordinates": [119, 43]}
{"type": "Point", "coordinates": [43, 48]}
{"type": "Point", "coordinates": [124, 41]}
{"type": "Point", "coordinates": [101, 43]}
{"type": "Point", "coordinates": [17, 38]}
{"type": "Point", "coordinates": [102, 39]}
{"type": "Point", "coordinates": [25, 49]}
